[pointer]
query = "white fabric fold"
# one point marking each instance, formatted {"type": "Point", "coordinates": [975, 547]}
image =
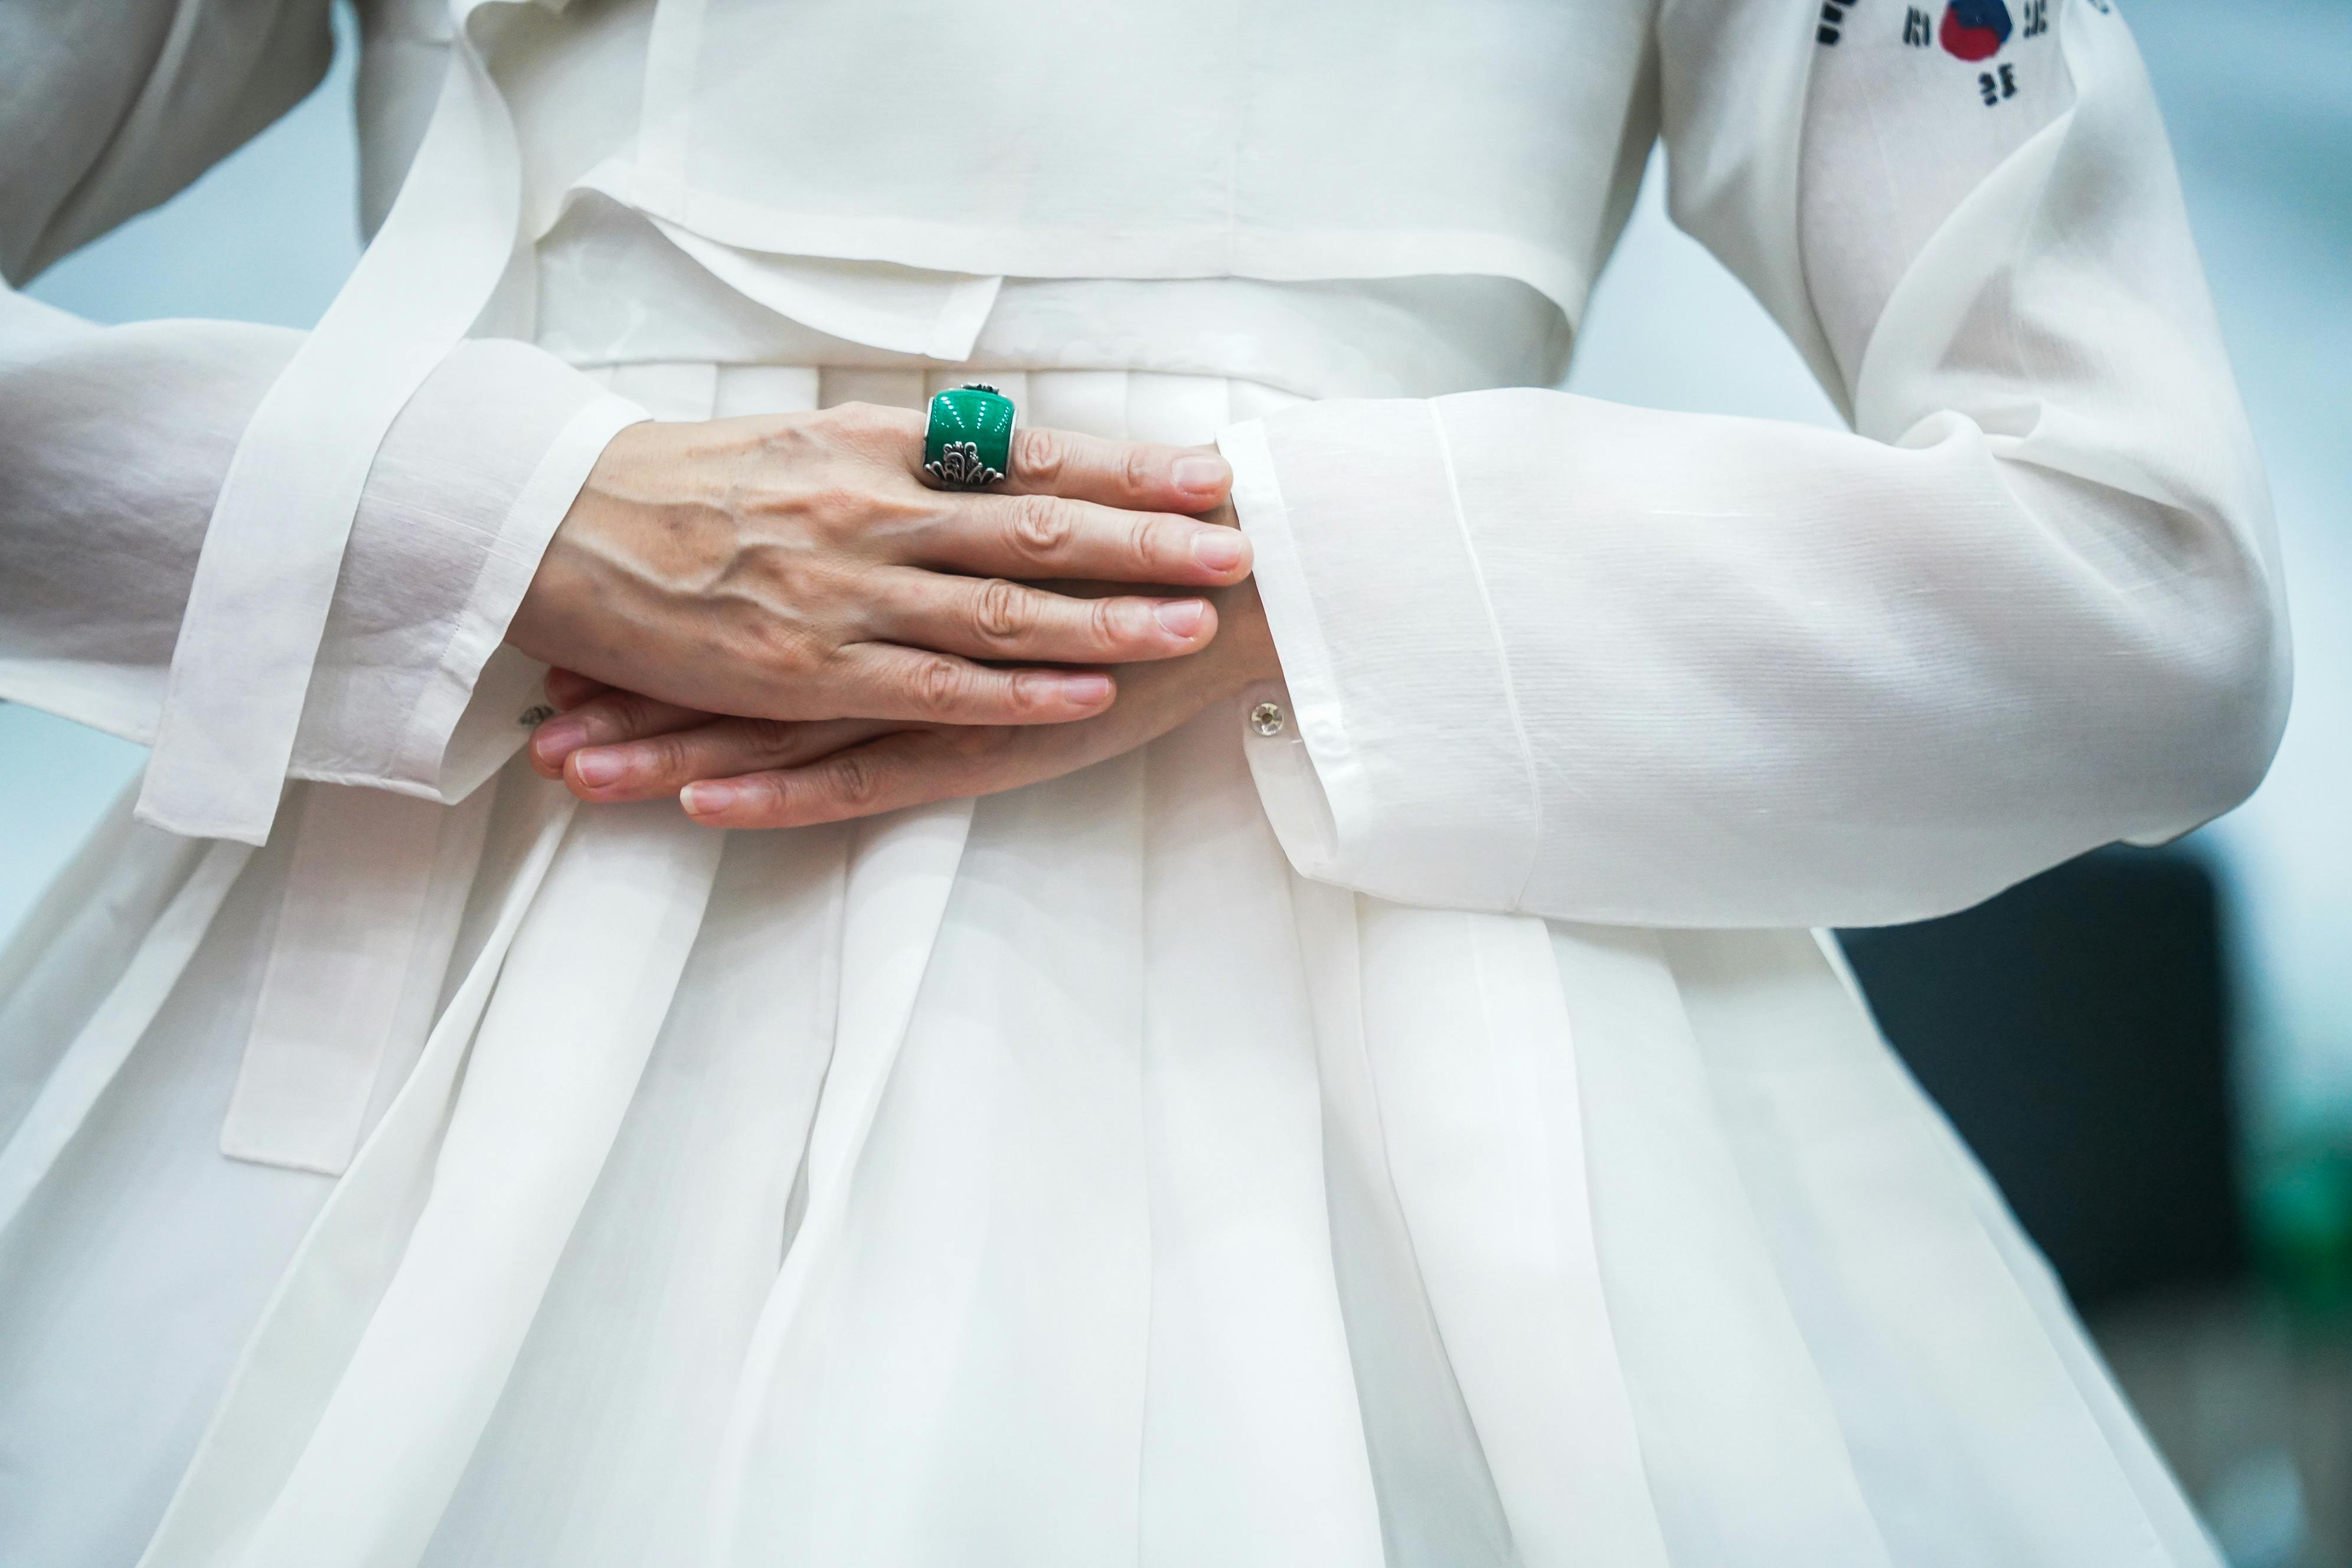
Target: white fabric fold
{"type": "Point", "coordinates": [324, 1304]}
{"type": "Point", "coordinates": [1741, 1441]}
{"type": "Point", "coordinates": [87, 924]}
{"type": "Point", "coordinates": [264, 584]}
{"type": "Point", "coordinates": [935, 314]}
{"type": "Point", "coordinates": [1254, 1448]}
{"type": "Point", "coordinates": [354, 972]}
{"type": "Point", "coordinates": [1439, 1505]}
{"type": "Point", "coordinates": [1848, 1168]}
{"type": "Point", "coordinates": [552, 1070]}
{"type": "Point", "coordinates": [600, 1453]}
{"type": "Point", "coordinates": [901, 869]}
{"type": "Point", "coordinates": [1474, 1061]}
{"type": "Point", "coordinates": [106, 1041]}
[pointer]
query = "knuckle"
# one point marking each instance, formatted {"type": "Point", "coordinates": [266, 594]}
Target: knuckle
{"type": "Point", "coordinates": [1105, 624]}
{"type": "Point", "coordinates": [1004, 612]}
{"type": "Point", "coordinates": [791, 648]}
{"type": "Point", "coordinates": [626, 714]}
{"type": "Point", "coordinates": [1028, 694]}
{"type": "Point", "coordinates": [1144, 538]}
{"type": "Point", "coordinates": [940, 685]}
{"type": "Point", "coordinates": [771, 740]}
{"type": "Point", "coordinates": [1044, 456]}
{"type": "Point", "coordinates": [1041, 527]}
{"type": "Point", "coordinates": [854, 781]}
{"type": "Point", "coordinates": [1136, 468]}
{"type": "Point", "coordinates": [658, 758]}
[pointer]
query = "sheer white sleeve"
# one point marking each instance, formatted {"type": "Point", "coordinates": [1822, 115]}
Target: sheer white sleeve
{"type": "Point", "coordinates": [1599, 662]}
{"type": "Point", "coordinates": [114, 442]}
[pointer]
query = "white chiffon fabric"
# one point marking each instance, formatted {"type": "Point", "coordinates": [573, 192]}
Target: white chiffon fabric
{"type": "Point", "coordinates": [1072, 1177]}
{"type": "Point", "coordinates": [1162, 1207]}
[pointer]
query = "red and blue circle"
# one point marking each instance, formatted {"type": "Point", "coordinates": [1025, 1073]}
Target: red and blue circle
{"type": "Point", "coordinates": [1974, 29]}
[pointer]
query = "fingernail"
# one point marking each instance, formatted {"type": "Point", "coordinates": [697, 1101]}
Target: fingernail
{"type": "Point", "coordinates": [1182, 616]}
{"type": "Point", "coordinates": [1201, 472]}
{"type": "Point", "coordinates": [1083, 688]}
{"type": "Point", "coordinates": [599, 766]}
{"type": "Point", "coordinates": [707, 798]}
{"type": "Point", "coordinates": [558, 739]}
{"type": "Point", "coordinates": [1219, 549]}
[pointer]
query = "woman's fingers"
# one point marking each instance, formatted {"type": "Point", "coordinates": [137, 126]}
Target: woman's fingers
{"type": "Point", "coordinates": [1138, 475]}
{"type": "Point", "coordinates": [658, 766]}
{"type": "Point", "coordinates": [911, 767]}
{"type": "Point", "coordinates": [747, 566]}
{"type": "Point", "coordinates": [601, 720]}
{"type": "Point", "coordinates": [878, 681]}
{"type": "Point", "coordinates": [883, 680]}
{"type": "Point", "coordinates": [1031, 537]}
{"type": "Point", "coordinates": [996, 619]}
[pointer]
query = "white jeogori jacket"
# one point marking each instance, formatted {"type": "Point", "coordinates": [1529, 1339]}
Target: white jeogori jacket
{"type": "Point", "coordinates": [1665, 668]}
{"type": "Point", "coordinates": [1419, 1134]}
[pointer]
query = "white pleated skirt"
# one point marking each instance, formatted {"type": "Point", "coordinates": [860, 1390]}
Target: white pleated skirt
{"type": "Point", "coordinates": [1055, 1180]}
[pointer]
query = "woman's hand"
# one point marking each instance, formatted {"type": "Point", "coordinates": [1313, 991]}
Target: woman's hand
{"type": "Point", "coordinates": [794, 567]}
{"type": "Point", "coordinates": [736, 772]}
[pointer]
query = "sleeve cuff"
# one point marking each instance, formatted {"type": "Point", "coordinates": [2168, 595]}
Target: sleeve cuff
{"type": "Point", "coordinates": [412, 691]}
{"type": "Point", "coordinates": [472, 712]}
{"type": "Point", "coordinates": [1407, 775]}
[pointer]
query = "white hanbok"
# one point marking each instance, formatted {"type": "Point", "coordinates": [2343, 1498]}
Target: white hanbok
{"type": "Point", "coordinates": [1404, 1116]}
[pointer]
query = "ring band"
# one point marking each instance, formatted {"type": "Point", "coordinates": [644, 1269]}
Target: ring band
{"type": "Point", "coordinates": [967, 444]}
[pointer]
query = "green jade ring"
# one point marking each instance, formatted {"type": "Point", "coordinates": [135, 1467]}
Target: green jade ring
{"type": "Point", "coordinates": [968, 444]}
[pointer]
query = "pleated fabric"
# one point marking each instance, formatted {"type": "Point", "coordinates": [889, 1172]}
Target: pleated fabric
{"type": "Point", "coordinates": [1054, 1179]}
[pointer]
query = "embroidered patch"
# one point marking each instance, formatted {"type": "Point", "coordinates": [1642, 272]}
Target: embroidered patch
{"type": "Point", "coordinates": [1974, 32]}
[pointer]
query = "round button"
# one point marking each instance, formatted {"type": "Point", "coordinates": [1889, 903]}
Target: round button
{"type": "Point", "coordinates": [1269, 719]}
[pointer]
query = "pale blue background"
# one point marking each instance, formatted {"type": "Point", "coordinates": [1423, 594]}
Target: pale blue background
{"type": "Point", "coordinates": [2259, 102]}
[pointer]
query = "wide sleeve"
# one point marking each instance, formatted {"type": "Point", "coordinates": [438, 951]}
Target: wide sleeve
{"type": "Point", "coordinates": [1561, 655]}
{"type": "Point", "coordinates": [115, 441]}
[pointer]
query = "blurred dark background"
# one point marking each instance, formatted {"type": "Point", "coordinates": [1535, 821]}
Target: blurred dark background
{"type": "Point", "coordinates": [2151, 1051]}
{"type": "Point", "coordinates": [2079, 1031]}
{"type": "Point", "coordinates": [2076, 1031]}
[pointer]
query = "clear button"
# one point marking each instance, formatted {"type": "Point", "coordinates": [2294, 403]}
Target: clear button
{"type": "Point", "coordinates": [1269, 719]}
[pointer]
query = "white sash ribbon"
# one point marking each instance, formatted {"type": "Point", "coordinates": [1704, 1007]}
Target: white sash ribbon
{"type": "Point", "coordinates": [265, 577]}
{"type": "Point", "coordinates": [377, 881]}
{"type": "Point", "coordinates": [373, 895]}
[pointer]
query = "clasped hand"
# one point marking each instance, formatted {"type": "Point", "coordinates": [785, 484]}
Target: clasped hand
{"type": "Point", "coordinates": [774, 620]}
